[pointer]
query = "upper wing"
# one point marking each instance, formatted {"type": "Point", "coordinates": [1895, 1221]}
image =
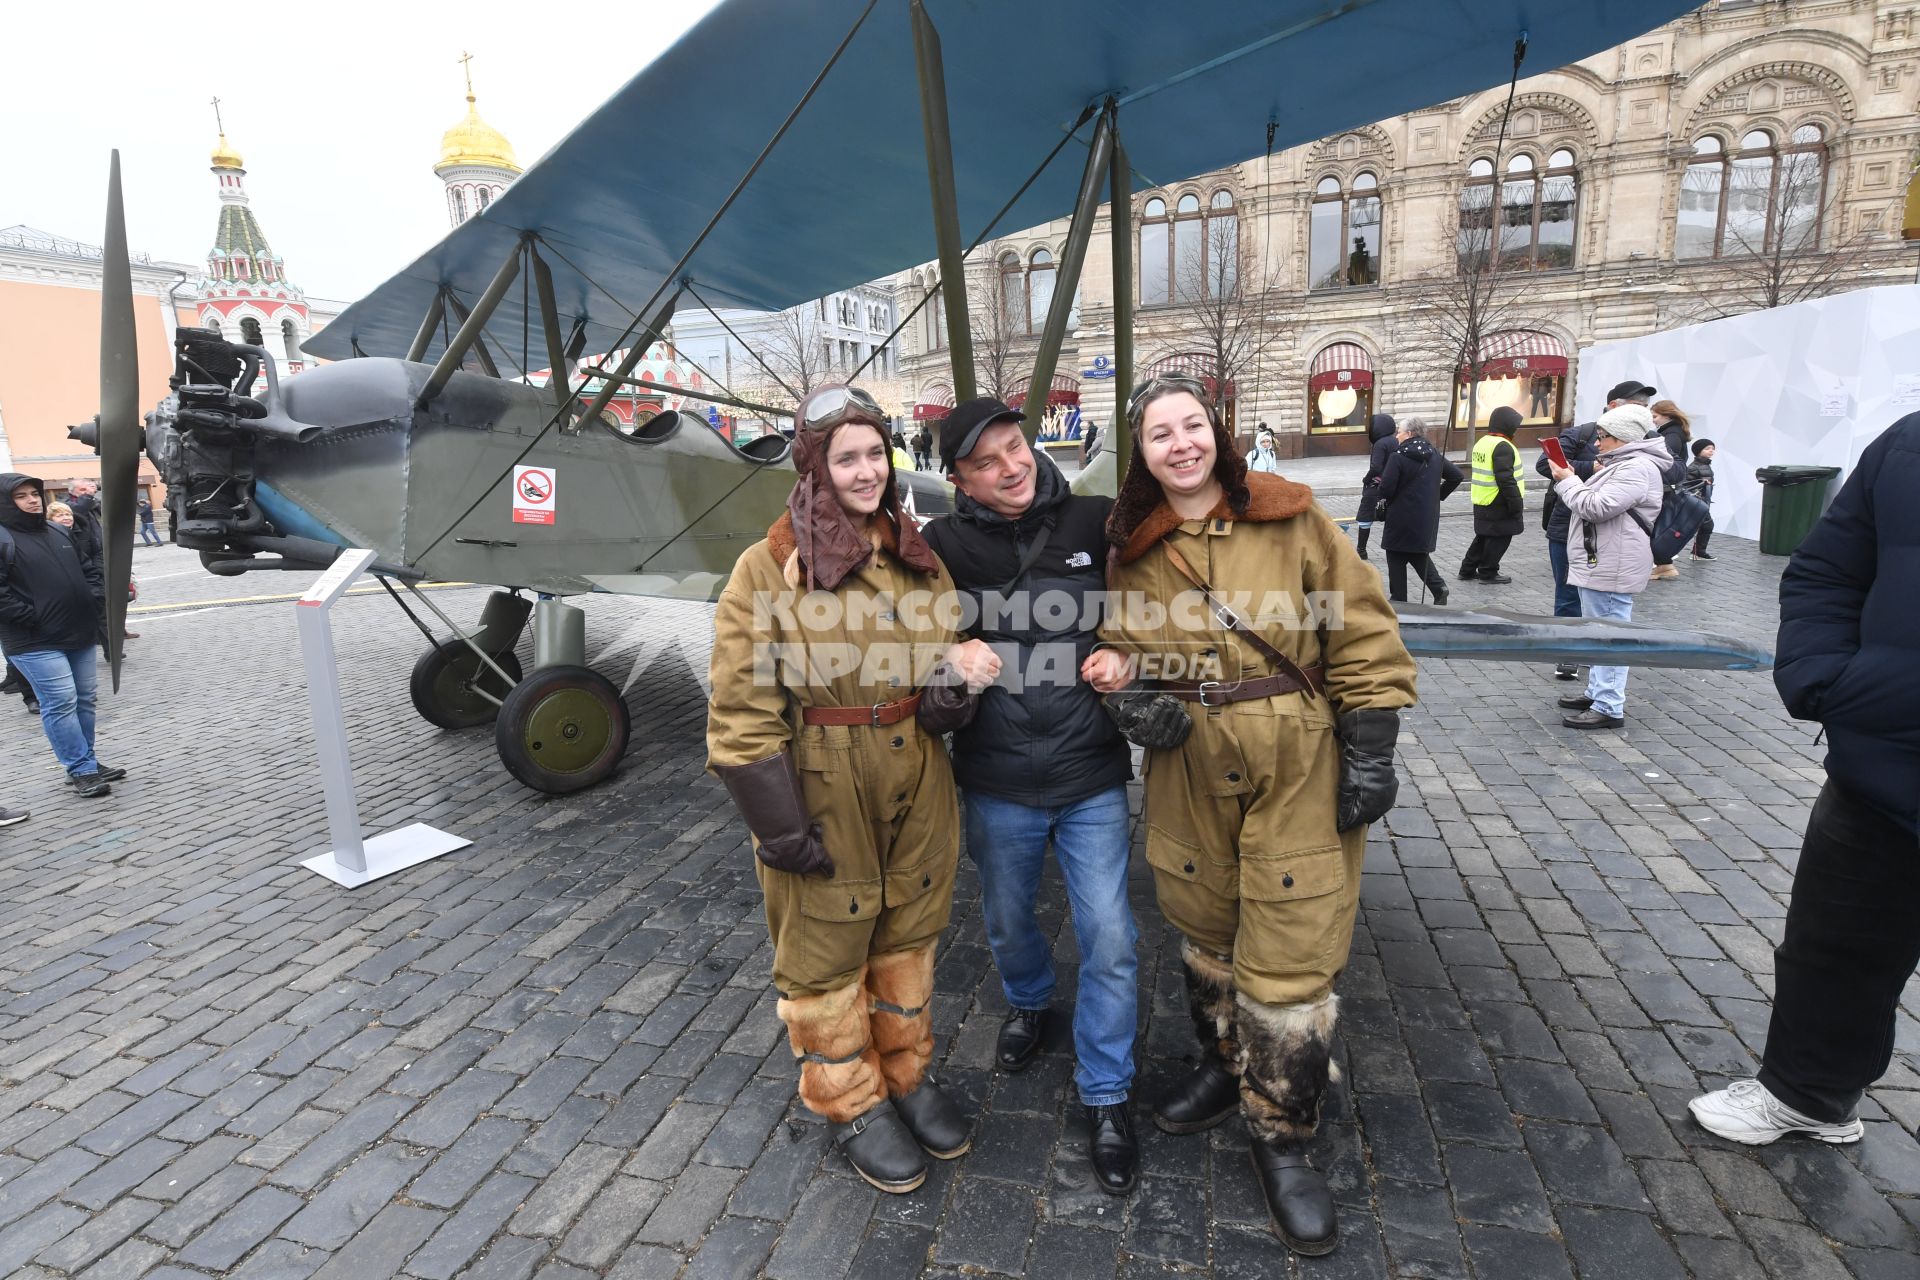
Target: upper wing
{"type": "Point", "coordinates": [843, 198]}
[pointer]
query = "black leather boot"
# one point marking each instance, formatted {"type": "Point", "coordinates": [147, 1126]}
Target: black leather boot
{"type": "Point", "coordinates": [935, 1120]}
{"type": "Point", "coordinates": [880, 1148]}
{"type": "Point", "coordinates": [1115, 1151]}
{"type": "Point", "coordinates": [1206, 1097]}
{"type": "Point", "coordinates": [1297, 1197]}
{"type": "Point", "coordinates": [1020, 1038]}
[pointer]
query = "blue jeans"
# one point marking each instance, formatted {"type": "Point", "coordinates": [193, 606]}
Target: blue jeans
{"type": "Point", "coordinates": [63, 683]}
{"type": "Point", "coordinates": [149, 536]}
{"type": "Point", "coordinates": [1566, 599]}
{"type": "Point", "coordinates": [1008, 844]}
{"type": "Point", "coordinates": [1607, 686]}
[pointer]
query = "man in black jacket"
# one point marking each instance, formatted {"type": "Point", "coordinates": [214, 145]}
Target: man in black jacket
{"type": "Point", "coordinates": [1042, 761]}
{"type": "Point", "coordinates": [1848, 654]}
{"type": "Point", "coordinates": [50, 607]}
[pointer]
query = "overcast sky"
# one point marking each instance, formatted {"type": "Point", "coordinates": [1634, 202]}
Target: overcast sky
{"type": "Point", "coordinates": [337, 110]}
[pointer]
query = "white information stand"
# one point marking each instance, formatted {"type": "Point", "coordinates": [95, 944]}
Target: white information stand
{"type": "Point", "coordinates": [350, 862]}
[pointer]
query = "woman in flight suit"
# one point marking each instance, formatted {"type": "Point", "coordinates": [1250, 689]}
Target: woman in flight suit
{"type": "Point", "coordinates": [828, 704]}
{"type": "Point", "coordinates": [1256, 821]}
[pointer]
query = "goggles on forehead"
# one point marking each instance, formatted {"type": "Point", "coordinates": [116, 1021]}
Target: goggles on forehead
{"type": "Point", "coordinates": [1154, 386]}
{"type": "Point", "coordinates": [829, 407]}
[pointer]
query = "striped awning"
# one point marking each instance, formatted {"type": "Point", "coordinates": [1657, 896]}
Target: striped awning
{"type": "Point", "coordinates": [1343, 364]}
{"type": "Point", "coordinates": [1190, 364]}
{"type": "Point", "coordinates": [1522, 352]}
{"type": "Point", "coordinates": [1065, 390]}
{"type": "Point", "coordinates": [935, 403]}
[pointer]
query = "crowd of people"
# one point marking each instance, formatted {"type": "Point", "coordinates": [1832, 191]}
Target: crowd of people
{"type": "Point", "coordinates": [1624, 472]}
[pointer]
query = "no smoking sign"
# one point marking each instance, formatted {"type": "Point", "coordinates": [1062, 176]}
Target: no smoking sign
{"type": "Point", "coordinates": [533, 495]}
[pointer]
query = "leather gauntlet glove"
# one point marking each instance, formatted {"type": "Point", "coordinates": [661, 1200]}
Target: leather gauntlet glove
{"type": "Point", "coordinates": [1147, 718]}
{"type": "Point", "coordinates": [767, 794]}
{"type": "Point", "coordinates": [1367, 782]}
{"type": "Point", "coordinates": [945, 703]}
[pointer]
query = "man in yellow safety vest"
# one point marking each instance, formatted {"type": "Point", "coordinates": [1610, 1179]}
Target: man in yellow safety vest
{"type": "Point", "coordinates": [1499, 501]}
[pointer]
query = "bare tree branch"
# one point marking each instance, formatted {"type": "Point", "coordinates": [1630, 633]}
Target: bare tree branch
{"type": "Point", "coordinates": [1224, 328]}
{"type": "Point", "coordinates": [1002, 348]}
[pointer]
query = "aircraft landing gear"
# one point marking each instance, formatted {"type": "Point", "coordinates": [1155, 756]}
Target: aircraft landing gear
{"type": "Point", "coordinates": [453, 689]}
{"type": "Point", "coordinates": [562, 729]}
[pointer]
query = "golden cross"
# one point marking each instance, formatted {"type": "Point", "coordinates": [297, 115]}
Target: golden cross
{"type": "Point", "coordinates": [216, 118]}
{"type": "Point", "coordinates": [466, 60]}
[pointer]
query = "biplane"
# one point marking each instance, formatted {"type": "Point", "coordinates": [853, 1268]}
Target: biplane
{"type": "Point", "coordinates": [427, 441]}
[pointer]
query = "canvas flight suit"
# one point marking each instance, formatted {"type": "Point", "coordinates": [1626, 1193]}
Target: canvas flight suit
{"type": "Point", "coordinates": [1240, 818]}
{"type": "Point", "coordinates": [853, 952]}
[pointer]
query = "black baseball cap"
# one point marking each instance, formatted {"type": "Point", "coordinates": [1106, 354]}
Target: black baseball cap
{"type": "Point", "coordinates": [961, 431]}
{"type": "Point", "coordinates": [1630, 390]}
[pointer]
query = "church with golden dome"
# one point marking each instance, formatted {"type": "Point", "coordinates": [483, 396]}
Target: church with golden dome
{"type": "Point", "coordinates": [245, 294]}
{"type": "Point", "coordinates": [476, 161]}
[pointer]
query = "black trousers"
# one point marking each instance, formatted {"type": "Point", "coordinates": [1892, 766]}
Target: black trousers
{"type": "Point", "coordinates": [1483, 554]}
{"type": "Point", "coordinates": [1700, 538]}
{"type": "Point", "coordinates": [1397, 562]}
{"type": "Point", "coordinates": [1852, 940]}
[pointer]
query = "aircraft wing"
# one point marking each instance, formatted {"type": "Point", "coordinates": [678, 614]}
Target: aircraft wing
{"type": "Point", "coordinates": [844, 197]}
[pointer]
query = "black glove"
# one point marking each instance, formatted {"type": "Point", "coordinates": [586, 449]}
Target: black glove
{"type": "Point", "coordinates": [767, 793]}
{"type": "Point", "coordinates": [1148, 718]}
{"type": "Point", "coordinates": [945, 704]}
{"type": "Point", "coordinates": [1367, 782]}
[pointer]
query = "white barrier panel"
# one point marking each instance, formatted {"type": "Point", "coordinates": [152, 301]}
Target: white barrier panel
{"type": "Point", "coordinates": [1812, 384]}
{"type": "Point", "coordinates": [351, 861]}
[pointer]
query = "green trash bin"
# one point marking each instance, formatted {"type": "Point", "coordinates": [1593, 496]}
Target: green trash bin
{"type": "Point", "coordinates": [1791, 503]}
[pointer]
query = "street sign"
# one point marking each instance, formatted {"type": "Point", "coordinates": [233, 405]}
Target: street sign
{"type": "Point", "coordinates": [533, 498]}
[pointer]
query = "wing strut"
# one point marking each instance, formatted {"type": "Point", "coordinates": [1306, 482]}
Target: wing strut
{"type": "Point", "coordinates": [424, 338]}
{"type": "Point", "coordinates": [1120, 228]}
{"type": "Point", "coordinates": [470, 327]}
{"type": "Point", "coordinates": [946, 204]}
{"type": "Point", "coordinates": [1079, 232]}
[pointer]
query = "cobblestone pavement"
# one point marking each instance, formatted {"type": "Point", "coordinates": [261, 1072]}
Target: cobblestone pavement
{"type": "Point", "coordinates": [554, 1054]}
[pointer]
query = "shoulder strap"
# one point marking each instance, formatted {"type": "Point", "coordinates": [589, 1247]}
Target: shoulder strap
{"type": "Point", "coordinates": [1227, 618]}
{"type": "Point", "coordinates": [1034, 551]}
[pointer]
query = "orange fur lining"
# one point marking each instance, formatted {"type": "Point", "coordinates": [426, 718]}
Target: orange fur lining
{"type": "Point", "coordinates": [1270, 498]}
{"type": "Point", "coordinates": [781, 541]}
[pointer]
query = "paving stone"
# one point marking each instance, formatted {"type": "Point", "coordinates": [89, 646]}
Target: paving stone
{"type": "Point", "coordinates": [460, 1168]}
{"type": "Point", "coordinates": [1582, 1163]}
{"type": "Point", "coordinates": [737, 1249]}
{"type": "Point", "coordinates": [352, 1200]}
{"type": "Point", "coordinates": [383, 1244]}
{"type": "Point", "coordinates": [465, 1233]}
{"type": "Point", "coordinates": [1497, 1187]}
{"type": "Point", "coordinates": [1610, 1242]}
{"type": "Point", "coordinates": [815, 1245]}
{"type": "Point", "coordinates": [1836, 1198]}
{"type": "Point", "coordinates": [1166, 1220]}
{"type": "Point", "coordinates": [98, 1234]}
{"type": "Point", "coordinates": [249, 1222]}
{"type": "Point", "coordinates": [1791, 1249]}
{"type": "Point", "coordinates": [611, 1220]}
{"type": "Point", "coordinates": [1496, 1251]}
{"type": "Point", "coordinates": [1422, 1236]}
{"type": "Point", "coordinates": [562, 1196]}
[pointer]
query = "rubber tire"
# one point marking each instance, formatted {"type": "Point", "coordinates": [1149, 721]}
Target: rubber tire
{"type": "Point", "coordinates": [544, 694]}
{"type": "Point", "coordinates": [425, 685]}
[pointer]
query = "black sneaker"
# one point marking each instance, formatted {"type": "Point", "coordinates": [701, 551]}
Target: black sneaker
{"type": "Point", "coordinates": [1566, 671]}
{"type": "Point", "coordinates": [1701, 555]}
{"type": "Point", "coordinates": [89, 784]}
{"type": "Point", "coordinates": [111, 775]}
{"type": "Point", "coordinates": [10, 816]}
{"type": "Point", "coordinates": [1021, 1036]}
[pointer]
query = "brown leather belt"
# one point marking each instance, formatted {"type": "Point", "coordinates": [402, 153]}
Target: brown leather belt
{"type": "Point", "coordinates": [1218, 693]}
{"type": "Point", "coordinates": [881, 714]}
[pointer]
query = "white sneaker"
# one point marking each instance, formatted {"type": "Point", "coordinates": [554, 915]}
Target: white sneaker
{"type": "Point", "coordinates": [1746, 1112]}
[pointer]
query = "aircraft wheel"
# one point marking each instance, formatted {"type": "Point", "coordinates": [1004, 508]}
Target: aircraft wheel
{"type": "Point", "coordinates": [561, 729]}
{"type": "Point", "coordinates": [446, 681]}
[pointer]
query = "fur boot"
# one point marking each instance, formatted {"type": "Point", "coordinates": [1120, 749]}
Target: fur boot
{"type": "Point", "coordinates": [1286, 1065]}
{"type": "Point", "coordinates": [1210, 1001]}
{"type": "Point", "coordinates": [839, 1069]}
{"type": "Point", "coordinates": [901, 984]}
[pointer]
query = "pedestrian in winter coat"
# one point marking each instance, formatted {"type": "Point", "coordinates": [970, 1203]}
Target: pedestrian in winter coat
{"type": "Point", "coordinates": [1499, 498]}
{"type": "Point", "coordinates": [1380, 434]}
{"type": "Point", "coordinates": [1676, 432]}
{"type": "Point", "coordinates": [50, 613]}
{"type": "Point", "coordinates": [1256, 821]}
{"type": "Point", "coordinates": [1699, 483]}
{"type": "Point", "coordinates": [1848, 648]}
{"type": "Point", "coordinates": [1417, 480]}
{"type": "Point", "coordinates": [1609, 551]}
{"type": "Point", "coordinates": [82, 499]}
{"type": "Point", "coordinates": [1043, 764]}
{"type": "Point", "coordinates": [1576, 443]}
{"type": "Point", "coordinates": [149, 536]}
{"type": "Point", "coordinates": [1264, 458]}
{"type": "Point", "coordinates": [830, 693]}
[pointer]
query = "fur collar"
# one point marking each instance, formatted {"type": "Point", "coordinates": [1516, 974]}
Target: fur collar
{"type": "Point", "coordinates": [781, 542]}
{"type": "Point", "coordinates": [1270, 498]}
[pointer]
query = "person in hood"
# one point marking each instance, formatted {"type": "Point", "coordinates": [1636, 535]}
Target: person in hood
{"type": "Point", "coordinates": [1676, 432]}
{"type": "Point", "coordinates": [1380, 434]}
{"type": "Point", "coordinates": [1223, 584]}
{"type": "Point", "coordinates": [1265, 457]}
{"type": "Point", "coordinates": [84, 501]}
{"type": "Point", "coordinates": [1609, 543]}
{"type": "Point", "coordinates": [1043, 763]}
{"type": "Point", "coordinates": [832, 687]}
{"type": "Point", "coordinates": [1499, 498]}
{"type": "Point", "coordinates": [1417, 480]}
{"type": "Point", "coordinates": [51, 594]}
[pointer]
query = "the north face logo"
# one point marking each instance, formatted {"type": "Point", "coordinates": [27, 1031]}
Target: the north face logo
{"type": "Point", "coordinates": [1079, 560]}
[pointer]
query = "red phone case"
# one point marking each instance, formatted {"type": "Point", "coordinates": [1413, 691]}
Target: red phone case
{"type": "Point", "coordinates": [1553, 451]}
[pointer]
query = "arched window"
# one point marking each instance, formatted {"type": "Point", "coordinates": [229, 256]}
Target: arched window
{"type": "Point", "coordinates": [1763, 197]}
{"type": "Point", "coordinates": [1223, 246]}
{"type": "Point", "coordinates": [483, 196]}
{"type": "Point", "coordinates": [1536, 222]}
{"type": "Point", "coordinates": [213, 323]}
{"type": "Point", "coordinates": [1343, 233]}
{"type": "Point", "coordinates": [1040, 279]}
{"type": "Point", "coordinates": [1155, 255]}
{"type": "Point", "coordinates": [1013, 294]}
{"type": "Point", "coordinates": [1189, 250]}
{"type": "Point", "coordinates": [250, 331]}
{"type": "Point", "coordinates": [290, 340]}
{"type": "Point", "coordinates": [936, 316]}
